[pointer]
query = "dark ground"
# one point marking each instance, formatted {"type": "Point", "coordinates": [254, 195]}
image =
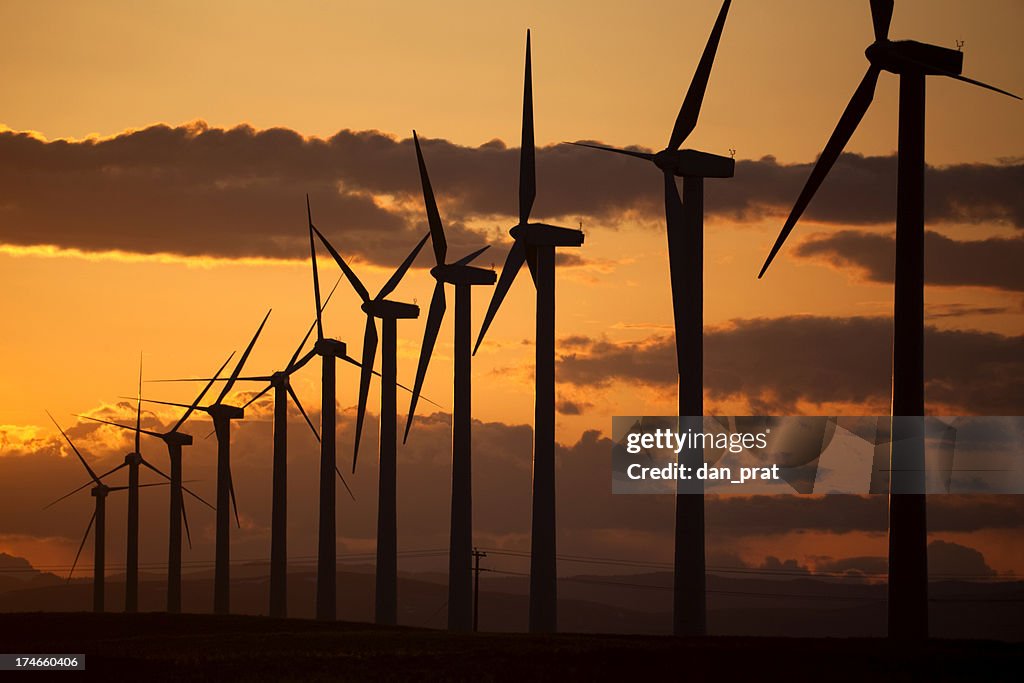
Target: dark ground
{"type": "Point", "coordinates": [158, 647]}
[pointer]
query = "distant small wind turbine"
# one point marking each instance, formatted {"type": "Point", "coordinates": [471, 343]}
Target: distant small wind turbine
{"type": "Point", "coordinates": [463, 276]}
{"type": "Point", "coordinates": [912, 62]}
{"type": "Point", "coordinates": [99, 519]}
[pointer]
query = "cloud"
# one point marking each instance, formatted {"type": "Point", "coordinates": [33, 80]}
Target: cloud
{"type": "Point", "coordinates": [950, 560]}
{"type": "Point", "coordinates": [591, 519]}
{"type": "Point", "coordinates": [198, 190]}
{"type": "Point", "coordinates": [994, 262]}
{"type": "Point", "coordinates": [778, 363]}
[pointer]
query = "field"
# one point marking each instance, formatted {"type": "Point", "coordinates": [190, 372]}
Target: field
{"type": "Point", "coordinates": [159, 647]}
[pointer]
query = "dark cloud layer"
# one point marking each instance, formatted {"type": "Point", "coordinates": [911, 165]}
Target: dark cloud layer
{"type": "Point", "coordinates": [776, 363]}
{"type": "Point", "coordinates": [198, 190]}
{"type": "Point", "coordinates": [995, 262]}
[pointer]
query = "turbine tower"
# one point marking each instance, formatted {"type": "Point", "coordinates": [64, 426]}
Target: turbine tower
{"type": "Point", "coordinates": [463, 276]}
{"type": "Point", "coordinates": [912, 62]}
{"type": "Point", "coordinates": [684, 222]}
{"type": "Point", "coordinates": [535, 243]}
{"type": "Point", "coordinates": [175, 440]}
{"type": "Point", "coordinates": [222, 414]}
{"type": "Point", "coordinates": [390, 312]}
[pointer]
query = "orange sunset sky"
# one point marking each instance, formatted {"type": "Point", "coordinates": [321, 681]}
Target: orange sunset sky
{"type": "Point", "coordinates": [154, 159]}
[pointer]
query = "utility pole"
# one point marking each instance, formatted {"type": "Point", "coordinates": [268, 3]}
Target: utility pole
{"type": "Point", "coordinates": [477, 554]}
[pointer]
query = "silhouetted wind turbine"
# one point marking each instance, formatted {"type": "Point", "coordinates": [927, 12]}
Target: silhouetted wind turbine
{"type": "Point", "coordinates": [329, 351]}
{"type": "Point", "coordinates": [99, 519]}
{"type": "Point", "coordinates": [133, 461]}
{"type": "Point", "coordinates": [222, 414]}
{"type": "Point", "coordinates": [175, 441]}
{"type": "Point", "coordinates": [463, 276]}
{"type": "Point", "coordinates": [684, 222]}
{"type": "Point", "coordinates": [386, 607]}
{"type": "Point", "coordinates": [535, 243]}
{"type": "Point", "coordinates": [912, 62]}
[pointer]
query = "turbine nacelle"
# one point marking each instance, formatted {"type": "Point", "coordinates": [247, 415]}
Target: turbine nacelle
{"type": "Point", "coordinates": [279, 379]}
{"type": "Point", "coordinates": [133, 459]}
{"type": "Point", "coordinates": [100, 491]}
{"type": "Point", "coordinates": [910, 56]}
{"type": "Point", "coordinates": [456, 274]}
{"type": "Point", "coordinates": [177, 439]}
{"type": "Point", "coordinates": [690, 162]}
{"type": "Point", "coordinates": [396, 310]}
{"type": "Point", "coordinates": [225, 412]}
{"type": "Point", "coordinates": [541, 234]}
{"type": "Point", "coordinates": [329, 347]}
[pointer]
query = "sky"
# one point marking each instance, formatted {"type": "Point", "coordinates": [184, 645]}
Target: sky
{"type": "Point", "coordinates": [154, 160]}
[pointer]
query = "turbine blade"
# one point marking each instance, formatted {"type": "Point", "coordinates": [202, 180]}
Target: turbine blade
{"type": "Point", "coordinates": [68, 495]}
{"type": "Point", "coordinates": [527, 153]}
{"type": "Point", "coordinates": [469, 258]}
{"type": "Point", "coordinates": [298, 404]}
{"type": "Point", "coordinates": [141, 486]}
{"type": "Point", "coordinates": [202, 393]}
{"type": "Point", "coordinates": [162, 403]}
{"type": "Point", "coordinates": [675, 225]}
{"type": "Point", "coordinates": [138, 410]}
{"type": "Point", "coordinates": [81, 545]}
{"type": "Point", "coordinates": [234, 503]}
{"type": "Point", "coordinates": [196, 496]}
{"type": "Point", "coordinates": [433, 216]}
{"type": "Point", "coordinates": [257, 396]}
{"type": "Point", "coordinates": [993, 88]}
{"type": "Point", "coordinates": [434, 318]}
{"type": "Point", "coordinates": [316, 274]}
{"type": "Point", "coordinates": [150, 466]}
{"type": "Point", "coordinates": [848, 123]}
{"type": "Point", "coordinates": [352, 361]}
{"type": "Point", "coordinates": [125, 427]}
{"type": "Point", "coordinates": [686, 121]}
{"type": "Point", "coordinates": [349, 273]}
{"type": "Point", "coordinates": [627, 152]}
{"type": "Point", "coordinates": [881, 17]}
{"type": "Point", "coordinates": [513, 262]}
{"type": "Point", "coordinates": [397, 276]}
{"type": "Point", "coordinates": [531, 261]}
{"type": "Point", "coordinates": [241, 361]}
{"type": "Point", "coordinates": [345, 483]}
{"type": "Point", "coordinates": [366, 370]}
{"type": "Point", "coordinates": [80, 458]}
{"type": "Point", "coordinates": [184, 518]}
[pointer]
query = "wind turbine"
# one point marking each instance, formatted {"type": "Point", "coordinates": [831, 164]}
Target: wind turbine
{"type": "Point", "coordinates": [175, 440]}
{"type": "Point", "coordinates": [99, 519]}
{"type": "Point", "coordinates": [463, 276]}
{"type": "Point", "coordinates": [329, 351]}
{"type": "Point", "coordinates": [390, 312]}
{"type": "Point", "coordinates": [535, 243]}
{"type": "Point", "coordinates": [912, 62]}
{"type": "Point", "coordinates": [684, 222]}
{"type": "Point", "coordinates": [222, 414]}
